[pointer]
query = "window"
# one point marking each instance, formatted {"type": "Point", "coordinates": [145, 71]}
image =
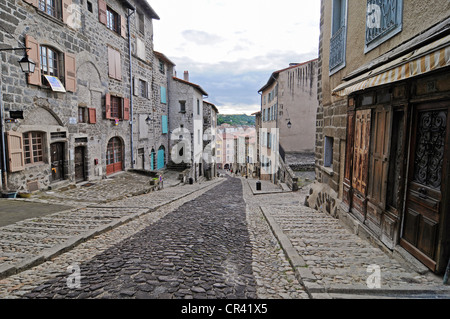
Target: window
{"type": "Point", "coordinates": [116, 107]}
{"type": "Point", "coordinates": [383, 21]}
{"type": "Point", "coordinates": [112, 20]}
{"type": "Point", "coordinates": [338, 40]}
{"type": "Point", "coordinates": [328, 158]}
{"type": "Point", "coordinates": [182, 106]}
{"type": "Point", "coordinates": [143, 88]}
{"type": "Point", "coordinates": [162, 68]}
{"type": "Point", "coordinates": [33, 147]}
{"type": "Point", "coordinates": [89, 6]}
{"type": "Point", "coordinates": [51, 7]}
{"type": "Point", "coordinates": [198, 106]}
{"type": "Point", "coordinates": [141, 22]}
{"type": "Point", "coordinates": [82, 114]}
{"type": "Point", "coordinates": [49, 61]}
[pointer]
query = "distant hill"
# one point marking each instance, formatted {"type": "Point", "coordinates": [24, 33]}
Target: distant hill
{"type": "Point", "coordinates": [236, 119]}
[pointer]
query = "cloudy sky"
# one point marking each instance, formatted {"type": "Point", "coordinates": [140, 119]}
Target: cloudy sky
{"type": "Point", "coordinates": [231, 47]}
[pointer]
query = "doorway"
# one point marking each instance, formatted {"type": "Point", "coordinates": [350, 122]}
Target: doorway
{"type": "Point", "coordinates": [114, 155]}
{"type": "Point", "coordinates": [80, 174]}
{"type": "Point", "coordinates": [57, 161]}
{"type": "Point", "coordinates": [425, 231]}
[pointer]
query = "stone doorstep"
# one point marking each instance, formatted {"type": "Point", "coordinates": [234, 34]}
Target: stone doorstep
{"type": "Point", "coordinates": [9, 270]}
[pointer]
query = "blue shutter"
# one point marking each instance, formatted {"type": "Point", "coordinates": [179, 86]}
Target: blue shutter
{"type": "Point", "coordinates": [152, 160]}
{"type": "Point", "coordinates": [163, 95]}
{"type": "Point", "coordinates": [165, 129]}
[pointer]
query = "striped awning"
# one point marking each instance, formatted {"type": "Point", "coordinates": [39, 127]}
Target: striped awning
{"type": "Point", "coordinates": [428, 58]}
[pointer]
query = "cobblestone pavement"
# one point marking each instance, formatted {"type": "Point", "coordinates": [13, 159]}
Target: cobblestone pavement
{"type": "Point", "coordinates": [335, 262]}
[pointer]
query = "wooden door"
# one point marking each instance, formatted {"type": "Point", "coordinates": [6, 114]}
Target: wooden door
{"type": "Point", "coordinates": [114, 155]}
{"type": "Point", "coordinates": [427, 186]}
{"type": "Point", "coordinates": [79, 164]}
{"type": "Point", "coordinates": [57, 161]}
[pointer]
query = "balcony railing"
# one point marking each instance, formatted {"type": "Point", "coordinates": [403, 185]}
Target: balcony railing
{"type": "Point", "coordinates": [337, 48]}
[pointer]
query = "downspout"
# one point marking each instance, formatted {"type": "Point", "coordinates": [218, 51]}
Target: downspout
{"type": "Point", "coordinates": [131, 87]}
{"type": "Point", "coordinates": [4, 177]}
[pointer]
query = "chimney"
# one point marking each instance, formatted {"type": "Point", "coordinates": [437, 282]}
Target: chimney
{"type": "Point", "coordinates": [186, 76]}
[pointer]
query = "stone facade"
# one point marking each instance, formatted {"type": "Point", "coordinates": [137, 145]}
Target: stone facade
{"type": "Point", "coordinates": [210, 112]}
{"type": "Point", "coordinates": [186, 124]}
{"type": "Point", "coordinates": [80, 119]}
{"type": "Point", "coordinates": [375, 93]}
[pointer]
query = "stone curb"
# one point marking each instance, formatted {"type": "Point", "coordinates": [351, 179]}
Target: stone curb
{"type": "Point", "coordinates": [267, 192]}
{"type": "Point", "coordinates": [48, 254]}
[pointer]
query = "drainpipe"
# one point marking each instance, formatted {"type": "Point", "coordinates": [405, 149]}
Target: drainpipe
{"type": "Point", "coordinates": [4, 177]}
{"type": "Point", "coordinates": [131, 86]}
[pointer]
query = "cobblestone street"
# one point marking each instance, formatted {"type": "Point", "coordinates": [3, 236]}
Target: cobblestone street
{"type": "Point", "coordinates": [210, 240]}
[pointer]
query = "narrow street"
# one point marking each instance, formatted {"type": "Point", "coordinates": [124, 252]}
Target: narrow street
{"type": "Point", "coordinates": [217, 239]}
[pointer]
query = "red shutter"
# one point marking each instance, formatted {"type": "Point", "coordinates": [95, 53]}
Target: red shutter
{"type": "Point", "coordinates": [92, 115]}
{"type": "Point", "coordinates": [33, 53]}
{"type": "Point", "coordinates": [15, 151]}
{"type": "Point", "coordinates": [123, 26]}
{"type": "Point", "coordinates": [65, 10]}
{"type": "Point", "coordinates": [102, 11]}
{"type": "Point", "coordinates": [70, 72]}
{"type": "Point", "coordinates": [126, 109]}
{"type": "Point", "coordinates": [32, 2]}
{"type": "Point", "coordinates": [108, 106]}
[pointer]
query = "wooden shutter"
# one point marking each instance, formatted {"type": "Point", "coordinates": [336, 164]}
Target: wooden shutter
{"type": "Point", "coordinates": [118, 66]}
{"type": "Point", "coordinates": [135, 86]}
{"type": "Point", "coordinates": [32, 2]}
{"type": "Point", "coordinates": [126, 109]}
{"type": "Point", "coordinates": [361, 151]}
{"type": "Point", "coordinates": [163, 95]}
{"type": "Point", "coordinates": [108, 106]}
{"type": "Point", "coordinates": [33, 53]}
{"type": "Point", "coordinates": [70, 72]}
{"type": "Point", "coordinates": [164, 124]}
{"type": "Point", "coordinates": [379, 156]}
{"type": "Point", "coordinates": [111, 62]}
{"type": "Point", "coordinates": [65, 10]}
{"type": "Point", "coordinates": [15, 151]}
{"type": "Point", "coordinates": [92, 115]}
{"type": "Point", "coordinates": [102, 11]}
{"type": "Point", "coordinates": [123, 26]}
{"type": "Point", "coordinates": [149, 91]}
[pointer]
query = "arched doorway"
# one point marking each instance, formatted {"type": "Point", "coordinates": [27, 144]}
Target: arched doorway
{"type": "Point", "coordinates": [161, 162]}
{"type": "Point", "coordinates": [114, 156]}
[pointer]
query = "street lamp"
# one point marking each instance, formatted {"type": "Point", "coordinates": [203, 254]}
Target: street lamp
{"type": "Point", "coordinates": [289, 124]}
{"type": "Point", "coordinates": [27, 65]}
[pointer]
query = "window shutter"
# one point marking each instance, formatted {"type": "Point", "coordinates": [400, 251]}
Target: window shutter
{"type": "Point", "coordinates": [164, 124]}
{"type": "Point", "coordinates": [92, 115]}
{"type": "Point", "coordinates": [65, 10]}
{"type": "Point", "coordinates": [33, 53]}
{"type": "Point", "coordinates": [136, 86]}
{"type": "Point", "coordinates": [163, 95]}
{"type": "Point", "coordinates": [102, 11]}
{"type": "Point", "coordinates": [126, 109]}
{"type": "Point", "coordinates": [15, 151]}
{"type": "Point", "coordinates": [111, 62]}
{"type": "Point", "coordinates": [108, 106]}
{"type": "Point", "coordinates": [149, 91]}
{"type": "Point", "coordinates": [123, 26]}
{"type": "Point", "coordinates": [118, 67]}
{"type": "Point", "coordinates": [70, 72]}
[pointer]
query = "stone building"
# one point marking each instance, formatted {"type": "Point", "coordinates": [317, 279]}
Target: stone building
{"type": "Point", "coordinates": [288, 114]}
{"type": "Point", "coordinates": [80, 104]}
{"type": "Point", "coordinates": [383, 124]}
{"type": "Point", "coordinates": [210, 112]}
{"type": "Point", "coordinates": [186, 124]}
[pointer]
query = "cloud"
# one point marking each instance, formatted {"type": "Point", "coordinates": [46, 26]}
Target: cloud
{"type": "Point", "coordinates": [201, 37]}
